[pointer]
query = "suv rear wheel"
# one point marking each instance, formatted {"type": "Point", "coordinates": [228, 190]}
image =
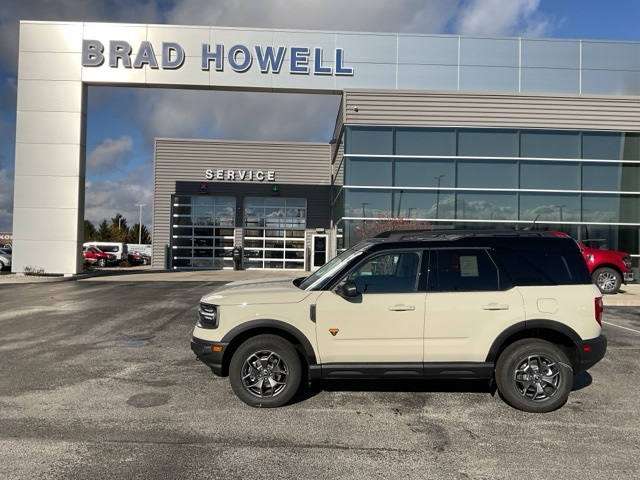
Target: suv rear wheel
{"type": "Point", "coordinates": [607, 280]}
{"type": "Point", "coordinates": [534, 376]}
{"type": "Point", "coordinates": [265, 371]}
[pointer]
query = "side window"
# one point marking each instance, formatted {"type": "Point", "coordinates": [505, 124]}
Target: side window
{"type": "Point", "coordinates": [391, 272]}
{"type": "Point", "coordinates": [540, 267]}
{"type": "Point", "coordinates": [463, 270]}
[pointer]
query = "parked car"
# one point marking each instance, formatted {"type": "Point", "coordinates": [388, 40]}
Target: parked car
{"type": "Point", "coordinates": [609, 269]}
{"type": "Point", "coordinates": [5, 259]}
{"type": "Point", "coordinates": [118, 249]}
{"type": "Point", "coordinates": [515, 306]}
{"type": "Point", "coordinates": [97, 256]}
{"type": "Point", "coordinates": [135, 258]}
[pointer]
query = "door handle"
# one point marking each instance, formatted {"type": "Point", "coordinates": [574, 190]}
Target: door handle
{"type": "Point", "coordinates": [496, 306]}
{"type": "Point", "coordinates": [402, 308]}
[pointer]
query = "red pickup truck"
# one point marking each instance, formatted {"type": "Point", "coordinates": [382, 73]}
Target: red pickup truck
{"type": "Point", "coordinates": [97, 256]}
{"type": "Point", "coordinates": [609, 268]}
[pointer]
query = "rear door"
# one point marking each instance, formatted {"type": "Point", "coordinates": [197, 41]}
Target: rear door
{"type": "Point", "coordinates": [469, 303]}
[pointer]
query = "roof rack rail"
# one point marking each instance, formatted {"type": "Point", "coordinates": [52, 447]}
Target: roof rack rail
{"type": "Point", "coordinates": [408, 235]}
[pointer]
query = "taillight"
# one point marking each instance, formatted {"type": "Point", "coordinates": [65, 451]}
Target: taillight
{"type": "Point", "coordinates": [599, 308]}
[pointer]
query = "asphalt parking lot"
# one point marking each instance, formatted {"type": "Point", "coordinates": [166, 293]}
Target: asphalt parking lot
{"type": "Point", "coordinates": [98, 381]}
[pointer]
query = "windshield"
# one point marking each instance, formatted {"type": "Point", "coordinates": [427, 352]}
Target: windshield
{"type": "Point", "coordinates": [325, 273]}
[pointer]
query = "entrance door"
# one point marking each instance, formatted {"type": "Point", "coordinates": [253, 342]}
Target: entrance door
{"type": "Point", "coordinates": [384, 324]}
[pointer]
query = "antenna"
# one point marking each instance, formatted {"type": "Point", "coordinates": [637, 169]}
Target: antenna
{"type": "Point", "coordinates": [533, 223]}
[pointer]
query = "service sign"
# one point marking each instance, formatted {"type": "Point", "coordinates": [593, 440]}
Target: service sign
{"type": "Point", "coordinates": [240, 175]}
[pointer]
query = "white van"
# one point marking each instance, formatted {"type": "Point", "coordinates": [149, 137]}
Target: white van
{"type": "Point", "coordinates": [118, 249]}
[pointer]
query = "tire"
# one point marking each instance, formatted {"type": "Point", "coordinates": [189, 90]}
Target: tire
{"type": "Point", "coordinates": [102, 262]}
{"type": "Point", "coordinates": [607, 280]}
{"type": "Point", "coordinates": [534, 376]}
{"type": "Point", "coordinates": [2, 265]}
{"type": "Point", "coordinates": [265, 371]}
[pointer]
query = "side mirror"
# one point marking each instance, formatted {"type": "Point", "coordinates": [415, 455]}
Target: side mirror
{"type": "Point", "coordinates": [347, 289]}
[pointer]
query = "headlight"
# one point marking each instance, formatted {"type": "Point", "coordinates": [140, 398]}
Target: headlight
{"type": "Point", "coordinates": [207, 316]}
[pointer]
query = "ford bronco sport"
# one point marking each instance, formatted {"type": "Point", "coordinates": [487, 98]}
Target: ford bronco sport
{"type": "Point", "coordinates": [515, 306]}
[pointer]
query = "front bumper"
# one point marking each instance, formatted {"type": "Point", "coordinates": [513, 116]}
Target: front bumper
{"type": "Point", "coordinates": [591, 352]}
{"type": "Point", "coordinates": [210, 353]}
{"type": "Point", "coordinates": [628, 277]}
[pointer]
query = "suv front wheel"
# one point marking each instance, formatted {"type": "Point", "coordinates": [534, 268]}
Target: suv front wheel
{"type": "Point", "coordinates": [265, 371]}
{"type": "Point", "coordinates": [534, 376]}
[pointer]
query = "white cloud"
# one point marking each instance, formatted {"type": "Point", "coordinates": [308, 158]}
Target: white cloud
{"type": "Point", "coordinates": [501, 18]}
{"type": "Point", "coordinates": [104, 199]}
{"type": "Point", "coordinates": [237, 115]}
{"type": "Point", "coordinates": [110, 155]}
{"type": "Point", "coordinates": [340, 15]}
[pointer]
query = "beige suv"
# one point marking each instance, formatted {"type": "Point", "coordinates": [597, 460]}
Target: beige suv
{"type": "Point", "coordinates": [515, 306]}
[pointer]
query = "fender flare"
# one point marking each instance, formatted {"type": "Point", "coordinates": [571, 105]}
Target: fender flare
{"type": "Point", "coordinates": [552, 325]}
{"type": "Point", "coordinates": [277, 325]}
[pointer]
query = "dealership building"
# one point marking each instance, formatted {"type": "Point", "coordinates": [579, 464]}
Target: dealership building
{"type": "Point", "coordinates": [444, 131]}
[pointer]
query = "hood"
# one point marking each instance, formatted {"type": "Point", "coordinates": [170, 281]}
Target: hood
{"type": "Point", "coordinates": [261, 291]}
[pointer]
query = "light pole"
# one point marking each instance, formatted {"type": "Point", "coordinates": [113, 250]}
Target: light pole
{"type": "Point", "coordinates": [140, 222]}
{"type": "Point", "coordinates": [438, 178]}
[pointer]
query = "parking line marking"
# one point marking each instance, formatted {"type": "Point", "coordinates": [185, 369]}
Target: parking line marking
{"type": "Point", "coordinates": [624, 328]}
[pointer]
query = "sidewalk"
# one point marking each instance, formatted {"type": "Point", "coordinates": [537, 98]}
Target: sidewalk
{"type": "Point", "coordinates": [629, 295]}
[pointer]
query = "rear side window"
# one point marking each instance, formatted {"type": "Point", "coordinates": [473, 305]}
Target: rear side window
{"type": "Point", "coordinates": [466, 270]}
{"type": "Point", "coordinates": [541, 267]}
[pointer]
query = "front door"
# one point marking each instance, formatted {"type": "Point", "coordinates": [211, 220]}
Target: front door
{"type": "Point", "coordinates": [384, 324]}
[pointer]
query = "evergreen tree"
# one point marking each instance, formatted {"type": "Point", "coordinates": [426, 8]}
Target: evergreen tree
{"type": "Point", "coordinates": [103, 233]}
{"type": "Point", "coordinates": [118, 230]}
{"type": "Point", "coordinates": [135, 234]}
{"type": "Point", "coordinates": [90, 231]}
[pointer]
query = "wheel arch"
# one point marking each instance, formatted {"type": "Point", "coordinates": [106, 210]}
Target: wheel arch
{"type": "Point", "coordinates": [612, 266]}
{"type": "Point", "coordinates": [554, 332]}
{"type": "Point", "coordinates": [238, 335]}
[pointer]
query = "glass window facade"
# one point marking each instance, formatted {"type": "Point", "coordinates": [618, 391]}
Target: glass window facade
{"type": "Point", "coordinates": [274, 232]}
{"type": "Point", "coordinates": [585, 183]}
{"type": "Point", "coordinates": [202, 231]}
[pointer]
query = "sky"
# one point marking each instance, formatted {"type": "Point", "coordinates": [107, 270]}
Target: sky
{"type": "Point", "coordinates": [123, 122]}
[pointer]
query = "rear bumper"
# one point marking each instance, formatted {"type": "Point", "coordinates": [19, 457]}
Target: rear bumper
{"type": "Point", "coordinates": [591, 352]}
{"type": "Point", "coordinates": [206, 353]}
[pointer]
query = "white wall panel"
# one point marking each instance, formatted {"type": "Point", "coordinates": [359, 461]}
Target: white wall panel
{"type": "Point", "coordinates": [50, 96]}
{"type": "Point", "coordinates": [189, 38]}
{"type": "Point", "coordinates": [56, 160]}
{"type": "Point", "coordinates": [32, 255]}
{"type": "Point", "coordinates": [190, 74]}
{"type": "Point", "coordinates": [104, 32]}
{"type": "Point", "coordinates": [49, 127]}
{"type": "Point", "coordinates": [49, 66]}
{"type": "Point", "coordinates": [45, 192]}
{"type": "Point", "coordinates": [51, 37]}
